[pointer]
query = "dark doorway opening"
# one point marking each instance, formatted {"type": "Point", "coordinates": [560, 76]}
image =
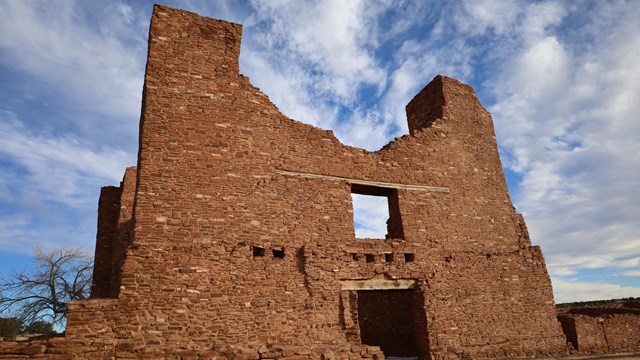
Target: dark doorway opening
{"type": "Point", "coordinates": [387, 318]}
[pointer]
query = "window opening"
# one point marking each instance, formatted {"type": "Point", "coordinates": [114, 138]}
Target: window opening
{"type": "Point", "coordinates": [278, 253]}
{"type": "Point", "coordinates": [370, 258]}
{"type": "Point", "coordinates": [355, 256]}
{"type": "Point", "coordinates": [388, 257]}
{"type": "Point", "coordinates": [258, 251]}
{"type": "Point", "coordinates": [409, 257]}
{"type": "Point", "coordinates": [376, 212]}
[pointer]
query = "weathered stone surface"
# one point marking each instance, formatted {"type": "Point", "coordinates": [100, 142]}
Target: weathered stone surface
{"type": "Point", "coordinates": [605, 328]}
{"type": "Point", "coordinates": [233, 237]}
{"type": "Point", "coordinates": [114, 235]}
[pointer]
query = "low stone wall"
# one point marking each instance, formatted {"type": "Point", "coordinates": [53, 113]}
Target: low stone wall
{"type": "Point", "coordinates": [602, 330]}
{"type": "Point", "coordinates": [52, 348]}
{"type": "Point", "coordinates": [58, 348]}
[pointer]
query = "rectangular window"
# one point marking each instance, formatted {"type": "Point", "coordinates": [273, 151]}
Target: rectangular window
{"type": "Point", "coordinates": [278, 253]}
{"type": "Point", "coordinates": [258, 251]}
{"type": "Point", "coordinates": [376, 212]}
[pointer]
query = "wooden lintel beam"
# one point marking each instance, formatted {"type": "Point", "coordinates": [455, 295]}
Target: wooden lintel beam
{"type": "Point", "coordinates": [367, 182]}
{"type": "Point", "coordinates": [378, 284]}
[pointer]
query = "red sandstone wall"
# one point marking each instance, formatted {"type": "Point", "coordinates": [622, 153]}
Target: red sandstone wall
{"type": "Point", "coordinates": [602, 330]}
{"type": "Point", "coordinates": [114, 235]}
{"type": "Point", "coordinates": [108, 207]}
{"type": "Point", "coordinates": [211, 192]}
{"type": "Point", "coordinates": [209, 189]}
{"type": "Point", "coordinates": [122, 240]}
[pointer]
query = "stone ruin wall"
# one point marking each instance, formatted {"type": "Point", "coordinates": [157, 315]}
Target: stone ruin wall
{"type": "Point", "coordinates": [605, 328]}
{"type": "Point", "coordinates": [233, 237]}
{"type": "Point", "coordinates": [115, 209]}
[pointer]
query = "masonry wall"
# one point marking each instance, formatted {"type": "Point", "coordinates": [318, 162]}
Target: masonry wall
{"type": "Point", "coordinates": [215, 179]}
{"type": "Point", "coordinates": [602, 330]}
{"type": "Point", "coordinates": [122, 239]}
{"type": "Point", "coordinates": [108, 208]}
{"type": "Point", "coordinates": [114, 235]}
{"type": "Point", "coordinates": [242, 226]}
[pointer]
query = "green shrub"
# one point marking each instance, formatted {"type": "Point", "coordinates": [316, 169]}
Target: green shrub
{"type": "Point", "coordinates": [38, 327]}
{"type": "Point", "coordinates": [10, 328]}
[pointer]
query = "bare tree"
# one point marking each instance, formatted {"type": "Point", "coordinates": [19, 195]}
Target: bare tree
{"type": "Point", "coordinates": [43, 292]}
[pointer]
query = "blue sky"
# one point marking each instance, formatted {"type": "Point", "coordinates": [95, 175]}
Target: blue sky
{"type": "Point", "coordinates": [561, 79]}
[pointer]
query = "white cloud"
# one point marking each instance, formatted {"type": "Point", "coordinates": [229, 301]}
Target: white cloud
{"type": "Point", "coordinates": [571, 291]}
{"type": "Point", "coordinates": [289, 92]}
{"type": "Point", "coordinates": [366, 128]}
{"type": "Point", "coordinates": [49, 186]}
{"type": "Point", "coordinates": [88, 63]}
{"type": "Point", "coordinates": [16, 229]}
{"type": "Point", "coordinates": [20, 232]}
{"type": "Point", "coordinates": [406, 80]}
{"type": "Point", "coordinates": [78, 70]}
{"type": "Point", "coordinates": [628, 263]}
{"type": "Point", "coordinates": [314, 59]}
{"type": "Point", "coordinates": [565, 265]}
{"type": "Point", "coordinates": [541, 71]}
{"type": "Point", "coordinates": [539, 17]}
{"type": "Point", "coordinates": [370, 216]}
{"type": "Point", "coordinates": [567, 122]}
{"type": "Point", "coordinates": [332, 37]}
{"type": "Point", "coordinates": [496, 15]}
{"type": "Point", "coordinates": [55, 168]}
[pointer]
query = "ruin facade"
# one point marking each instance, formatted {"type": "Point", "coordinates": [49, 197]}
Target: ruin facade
{"type": "Point", "coordinates": [233, 237]}
{"type": "Point", "coordinates": [610, 327]}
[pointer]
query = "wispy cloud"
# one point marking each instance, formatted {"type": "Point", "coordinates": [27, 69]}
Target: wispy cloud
{"type": "Point", "coordinates": [333, 40]}
{"type": "Point", "coordinates": [53, 168]}
{"type": "Point", "coordinates": [567, 123]}
{"type": "Point", "coordinates": [370, 215]}
{"type": "Point", "coordinates": [315, 59]}
{"type": "Point", "coordinates": [570, 291]}
{"type": "Point", "coordinates": [49, 186]}
{"type": "Point", "coordinates": [84, 58]}
{"type": "Point", "coordinates": [68, 118]}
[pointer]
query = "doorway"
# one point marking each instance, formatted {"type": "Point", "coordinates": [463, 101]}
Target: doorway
{"type": "Point", "coordinates": [390, 318]}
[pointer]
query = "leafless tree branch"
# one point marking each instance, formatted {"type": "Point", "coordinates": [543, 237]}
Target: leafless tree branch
{"type": "Point", "coordinates": [43, 292]}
